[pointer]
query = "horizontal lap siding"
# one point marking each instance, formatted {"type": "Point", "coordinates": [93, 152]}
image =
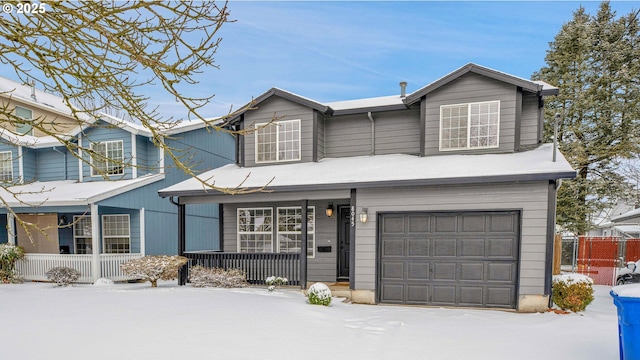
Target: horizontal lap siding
{"type": "Point", "coordinates": [471, 88]}
{"type": "Point", "coordinates": [531, 198]}
{"type": "Point", "coordinates": [280, 109]}
{"type": "Point", "coordinates": [105, 133]}
{"type": "Point", "coordinates": [51, 164]}
{"type": "Point", "coordinates": [347, 135]}
{"type": "Point", "coordinates": [397, 132]}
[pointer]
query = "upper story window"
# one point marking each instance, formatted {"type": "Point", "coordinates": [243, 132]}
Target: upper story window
{"type": "Point", "coordinates": [108, 158]}
{"type": "Point", "coordinates": [6, 166]}
{"type": "Point", "coordinates": [26, 114]}
{"type": "Point", "coordinates": [278, 141]}
{"type": "Point", "coordinates": [470, 126]}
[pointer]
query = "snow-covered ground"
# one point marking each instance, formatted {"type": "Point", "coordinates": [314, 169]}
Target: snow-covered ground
{"type": "Point", "coordinates": [135, 321]}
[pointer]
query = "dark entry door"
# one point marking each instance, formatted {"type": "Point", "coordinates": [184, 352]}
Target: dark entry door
{"type": "Point", "coordinates": [343, 243]}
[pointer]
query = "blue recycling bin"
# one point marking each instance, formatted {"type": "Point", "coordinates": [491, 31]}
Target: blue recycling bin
{"type": "Point", "coordinates": [628, 325]}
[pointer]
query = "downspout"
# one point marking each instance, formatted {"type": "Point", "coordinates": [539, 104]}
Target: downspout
{"type": "Point", "coordinates": [64, 156]}
{"type": "Point", "coordinates": [182, 273]}
{"type": "Point", "coordinates": [373, 133]}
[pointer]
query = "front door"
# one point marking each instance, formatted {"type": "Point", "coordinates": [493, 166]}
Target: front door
{"type": "Point", "coordinates": [344, 233]}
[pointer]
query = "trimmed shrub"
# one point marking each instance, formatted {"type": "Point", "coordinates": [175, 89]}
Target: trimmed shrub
{"type": "Point", "coordinates": [319, 294]}
{"type": "Point", "coordinates": [201, 276]}
{"type": "Point", "coordinates": [572, 292]}
{"type": "Point", "coordinates": [63, 276]}
{"type": "Point", "coordinates": [9, 255]}
{"type": "Point", "coordinates": [154, 268]}
{"type": "Point", "coordinates": [275, 282]}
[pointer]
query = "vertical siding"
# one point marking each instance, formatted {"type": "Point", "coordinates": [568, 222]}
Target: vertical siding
{"type": "Point", "coordinates": [531, 198]}
{"type": "Point", "coordinates": [29, 165]}
{"type": "Point", "coordinates": [283, 110]}
{"type": "Point", "coordinates": [466, 89]}
{"type": "Point", "coordinates": [103, 133]}
{"type": "Point", "coordinates": [397, 132]}
{"type": "Point", "coordinates": [529, 124]}
{"type": "Point", "coordinates": [347, 135]}
{"type": "Point", "coordinates": [51, 164]}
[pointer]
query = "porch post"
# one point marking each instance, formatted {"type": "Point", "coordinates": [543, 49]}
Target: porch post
{"type": "Point", "coordinates": [11, 228]}
{"type": "Point", "coordinates": [95, 243]}
{"type": "Point", "coordinates": [352, 240]}
{"type": "Point", "coordinates": [142, 233]}
{"type": "Point", "coordinates": [182, 273]}
{"type": "Point", "coordinates": [303, 246]}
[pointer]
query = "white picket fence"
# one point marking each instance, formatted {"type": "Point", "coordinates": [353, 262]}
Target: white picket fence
{"type": "Point", "coordinates": [34, 266]}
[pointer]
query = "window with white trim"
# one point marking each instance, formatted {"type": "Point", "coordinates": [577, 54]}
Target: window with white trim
{"type": "Point", "coordinates": [470, 126]}
{"type": "Point", "coordinates": [255, 230]}
{"type": "Point", "coordinates": [26, 114]}
{"type": "Point", "coordinates": [6, 166]}
{"type": "Point", "coordinates": [290, 230]}
{"type": "Point", "coordinates": [82, 234]}
{"type": "Point", "coordinates": [108, 158]}
{"type": "Point", "coordinates": [278, 141]}
{"type": "Point", "coordinates": [116, 234]}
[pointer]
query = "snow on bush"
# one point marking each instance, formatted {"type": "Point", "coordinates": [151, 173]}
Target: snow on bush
{"type": "Point", "coordinates": [319, 294]}
{"type": "Point", "coordinates": [154, 268]}
{"type": "Point", "coordinates": [275, 282]}
{"type": "Point", "coordinates": [103, 282]}
{"type": "Point", "coordinates": [572, 291]}
{"type": "Point", "coordinates": [9, 255]}
{"type": "Point", "coordinates": [62, 275]}
{"type": "Point", "coordinates": [201, 276]}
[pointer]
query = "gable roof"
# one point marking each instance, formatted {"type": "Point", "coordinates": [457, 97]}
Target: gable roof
{"type": "Point", "coordinates": [628, 215]}
{"type": "Point", "coordinates": [382, 171]}
{"type": "Point", "coordinates": [527, 85]}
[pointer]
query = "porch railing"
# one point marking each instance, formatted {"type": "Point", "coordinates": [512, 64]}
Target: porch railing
{"type": "Point", "coordinates": [34, 266]}
{"type": "Point", "coordinates": [258, 266]}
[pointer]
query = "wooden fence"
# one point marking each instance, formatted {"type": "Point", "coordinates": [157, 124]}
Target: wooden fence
{"type": "Point", "coordinates": [258, 266]}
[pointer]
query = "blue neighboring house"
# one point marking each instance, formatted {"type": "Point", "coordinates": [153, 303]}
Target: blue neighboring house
{"type": "Point", "coordinates": [90, 221]}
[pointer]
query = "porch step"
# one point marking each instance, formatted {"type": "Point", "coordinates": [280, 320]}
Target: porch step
{"type": "Point", "coordinates": [340, 289]}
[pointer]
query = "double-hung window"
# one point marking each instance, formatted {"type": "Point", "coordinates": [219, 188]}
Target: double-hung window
{"type": "Point", "coordinates": [26, 115]}
{"type": "Point", "coordinates": [278, 141]}
{"type": "Point", "coordinates": [290, 230]}
{"type": "Point", "coordinates": [255, 230]}
{"type": "Point", "coordinates": [6, 166]}
{"type": "Point", "coordinates": [82, 234]}
{"type": "Point", "coordinates": [116, 234]}
{"type": "Point", "coordinates": [470, 126]}
{"type": "Point", "coordinates": [107, 158]}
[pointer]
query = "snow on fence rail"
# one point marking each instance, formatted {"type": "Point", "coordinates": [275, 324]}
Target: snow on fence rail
{"type": "Point", "coordinates": [258, 266]}
{"type": "Point", "coordinates": [34, 266]}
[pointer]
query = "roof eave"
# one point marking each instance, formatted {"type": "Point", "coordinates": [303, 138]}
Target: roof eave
{"type": "Point", "coordinates": [370, 109]}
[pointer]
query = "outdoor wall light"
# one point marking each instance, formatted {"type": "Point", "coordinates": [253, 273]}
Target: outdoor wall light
{"type": "Point", "coordinates": [329, 210]}
{"type": "Point", "coordinates": [363, 215]}
{"type": "Point", "coordinates": [62, 220]}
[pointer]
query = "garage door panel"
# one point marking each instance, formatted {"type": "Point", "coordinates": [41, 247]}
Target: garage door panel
{"type": "Point", "coordinates": [444, 295]}
{"type": "Point", "coordinates": [418, 271]}
{"type": "Point", "coordinates": [505, 272]}
{"type": "Point", "coordinates": [450, 259]}
{"type": "Point", "coordinates": [444, 271]}
{"type": "Point", "coordinates": [502, 248]}
{"type": "Point", "coordinates": [472, 271]}
{"type": "Point", "coordinates": [444, 247]}
{"type": "Point", "coordinates": [472, 247]}
{"type": "Point", "coordinates": [393, 271]}
{"type": "Point", "coordinates": [419, 224]}
{"type": "Point", "coordinates": [472, 223]}
{"type": "Point", "coordinates": [418, 247]}
{"type": "Point", "coordinates": [393, 247]}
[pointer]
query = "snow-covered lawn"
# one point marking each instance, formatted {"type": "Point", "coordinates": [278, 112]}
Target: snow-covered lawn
{"type": "Point", "coordinates": [134, 321]}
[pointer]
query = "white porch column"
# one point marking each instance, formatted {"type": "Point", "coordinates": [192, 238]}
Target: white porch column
{"type": "Point", "coordinates": [142, 234]}
{"type": "Point", "coordinates": [95, 243]}
{"type": "Point", "coordinates": [11, 229]}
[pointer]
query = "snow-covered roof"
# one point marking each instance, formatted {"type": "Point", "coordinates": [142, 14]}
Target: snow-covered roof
{"type": "Point", "coordinates": [360, 104]}
{"type": "Point", "coordinates": [629, 214]}
{"type": "Point", "coordinates": [384, 170]}
{"type": "Point", "coordinates": [70, 192]}
{"type": "Point", "coordinates": [628, 229]}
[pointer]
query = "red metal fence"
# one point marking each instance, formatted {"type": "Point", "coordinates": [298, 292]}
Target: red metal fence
{"type": "Point", "coordinates": [601, 257]}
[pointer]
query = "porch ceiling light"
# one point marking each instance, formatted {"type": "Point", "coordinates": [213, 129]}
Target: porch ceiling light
{"type": "Point", "coordinates": [364, 215]}
{"type": "Point", "coordinates": [329, 210]}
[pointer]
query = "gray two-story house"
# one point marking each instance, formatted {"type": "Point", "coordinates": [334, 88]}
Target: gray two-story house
{"type": "Point", "coordinates": [444, 196]}
{"type": "Point", "coordinates": [96, 206]}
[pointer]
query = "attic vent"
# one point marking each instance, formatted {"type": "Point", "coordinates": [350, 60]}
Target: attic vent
{"type": "Point", "coordinates": [403, 89]}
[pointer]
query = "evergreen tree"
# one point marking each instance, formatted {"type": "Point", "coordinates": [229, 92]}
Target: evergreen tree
{"type": "Point", "coordinates": [595, 61]}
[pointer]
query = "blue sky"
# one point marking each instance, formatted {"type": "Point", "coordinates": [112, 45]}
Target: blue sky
{"type": "Point", "coordinates": [331, 51]}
